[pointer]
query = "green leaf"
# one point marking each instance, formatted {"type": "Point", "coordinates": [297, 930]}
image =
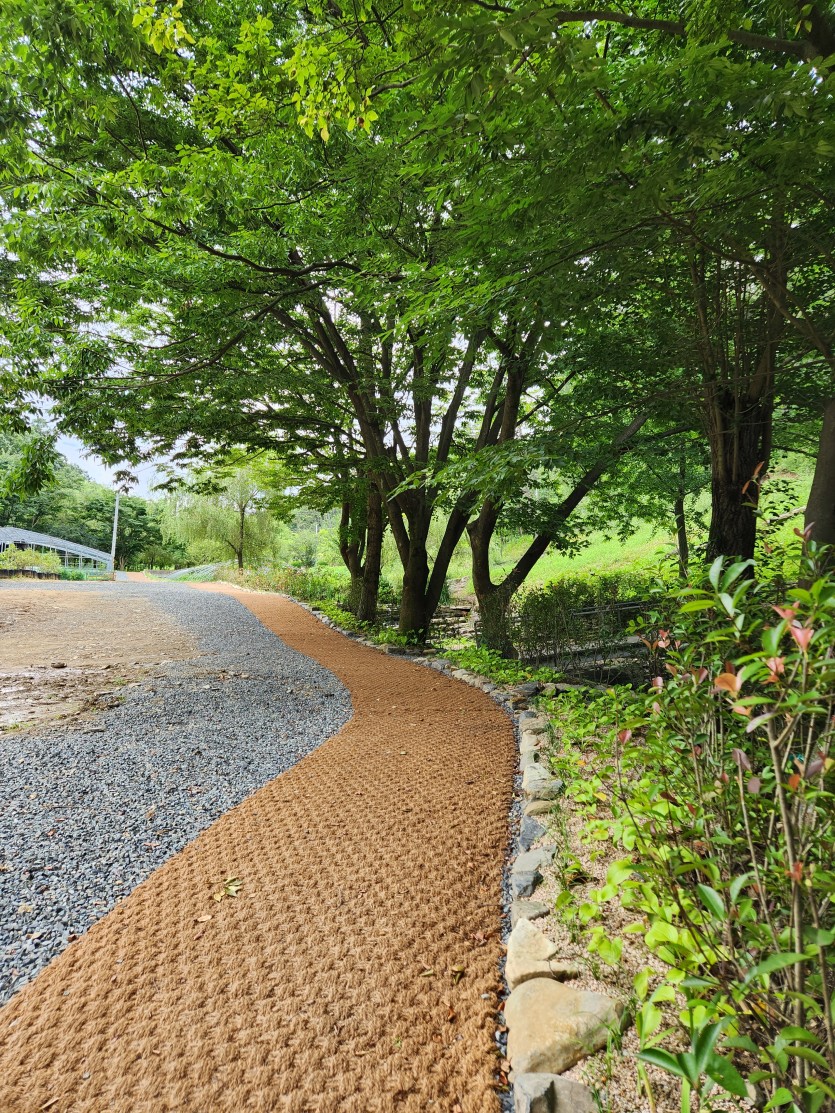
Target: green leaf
{"type": "Point", "coordinates": [657, 1057]}
{"type": "Point", "coordinates": [703, 1043]}
{"type": "Point", "coordinates": [781, 1097]}
{"type": "Point", "coordinates": [723, 1072]}
{"type": "Point", "coordinates": [772, 964]}
{"type": "Point", "coordinates": [715, 572]}
{"type": "Point", "coordinates": [712, 901]}
{"type": "Point", "coordinates": [807, 1053]}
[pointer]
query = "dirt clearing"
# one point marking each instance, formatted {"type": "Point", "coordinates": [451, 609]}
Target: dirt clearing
{"type": "Point", "coordinates": [64, 650]}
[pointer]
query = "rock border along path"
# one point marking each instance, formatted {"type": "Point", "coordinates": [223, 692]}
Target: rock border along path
{"type": "Point", "coordinates": [357, 968]}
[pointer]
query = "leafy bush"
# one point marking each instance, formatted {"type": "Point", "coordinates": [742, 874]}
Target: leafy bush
{"type": "Point", "coordinates": [72, 574]}
{"type": "Point", "coordinates": [307, 584]}
{"type": "Point", "coordinates": [576, 622]}
{"type": "Point", "coordinates": [719, 785]}
{"type": "Point", "coordinates": [31, 558]}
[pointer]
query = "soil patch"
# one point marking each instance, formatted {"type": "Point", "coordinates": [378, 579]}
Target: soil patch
{"type": "Point", "coordinates": [63, 651]}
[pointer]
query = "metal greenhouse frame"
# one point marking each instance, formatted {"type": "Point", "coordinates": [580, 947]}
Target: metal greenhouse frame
{"type": "Point", "coordinates": [72, 554]}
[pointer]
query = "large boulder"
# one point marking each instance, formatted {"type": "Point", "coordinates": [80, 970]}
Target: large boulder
{"type": "Point", "coordinates": [552, 1026]}
{"type": "Point", "coordinates": [529, 742]}
{"type": "Point", "coordinates": [528, 952]}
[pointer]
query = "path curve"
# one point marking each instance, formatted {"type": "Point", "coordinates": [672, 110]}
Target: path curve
{"type": "Point", "coordinates": [356, 970]}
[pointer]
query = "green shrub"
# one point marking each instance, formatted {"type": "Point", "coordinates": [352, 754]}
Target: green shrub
{"type": "Point", "coordinates": [310, 585]}
{"type": "Point", "coordinates": [720, 785]}
{"type": "Point", "coordinates": [31, 558]}
{"type": "Point", "coordinates": [572, 620]}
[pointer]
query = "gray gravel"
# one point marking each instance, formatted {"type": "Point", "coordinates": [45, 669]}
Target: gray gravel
{"type": "Point", "coordinates": [87, 813]}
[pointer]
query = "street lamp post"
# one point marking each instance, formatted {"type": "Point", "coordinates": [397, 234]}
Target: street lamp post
{"type": "Point", "coordinates": [115, 528]}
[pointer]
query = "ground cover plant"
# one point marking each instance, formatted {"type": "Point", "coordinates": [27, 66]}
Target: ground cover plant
{"type": "Point", "coordinates": [715, 793]}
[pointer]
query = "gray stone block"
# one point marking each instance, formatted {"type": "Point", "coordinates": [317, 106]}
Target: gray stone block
{"type": "Point", "coordinates": [530, 830]}
{"type": "Point", "coordinates": [527, 910]}
{"type": "Point", "coordinates": [524, 882]}
{"type": "Point", "coordinates": [548, 1093]}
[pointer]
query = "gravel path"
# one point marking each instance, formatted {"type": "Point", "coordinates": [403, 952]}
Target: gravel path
{"type": "Point", "coordinates": [87, 813]}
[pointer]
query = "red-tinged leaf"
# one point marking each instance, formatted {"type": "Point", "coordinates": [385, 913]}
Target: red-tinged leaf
{"type": "Point", "coordinates": [658, 683]}
{"type": "Point", "coordinates": [788, 613]}
{"type": "Point", "coordinates": [672, 669]}
{"type": "Point", "coordinates": [754, 786]}
{"type": "Point", "coordinates": [815, 766]}
{"type": "Point", "coordinates": [801, 634]}
{"type": "Point", "coordinates": [741, 759]}
{"type": "Point", "coordinates": [759, 720]}
{"type": "Point", "coordinates": [769, 549]}
{"type": "Point", "coordinates": [796, 872]}
{"type": "Point", "coordinates": [794, 782]}
{"type": "Point", "coordinates": [741, 709]}
{"type": "Point", "coordinates": [804, 534]}
{"type": "Point", "coordinates": [776, 664]}
{"type": "Point", "coordinates": [730, 667]}
{"type": "Point", "coordinates": [700, 674]}
{"type": "Point", "coordinates": [656, 708]}
{"type": "Point", "coordinates": [624, 736]}
{"type": "Point", "coordinates": [758, 469]}
{"type": "Point", "coordinates": [727, 682]}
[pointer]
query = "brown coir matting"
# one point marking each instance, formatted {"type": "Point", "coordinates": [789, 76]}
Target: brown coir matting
{"type": "Point", "coordinates": [356, 970]}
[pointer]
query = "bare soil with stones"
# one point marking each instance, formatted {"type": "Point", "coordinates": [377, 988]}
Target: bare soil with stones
{"type": "Point", "coordinates": [65, 650]}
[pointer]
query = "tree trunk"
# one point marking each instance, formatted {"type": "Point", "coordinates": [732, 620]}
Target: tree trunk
{"type": "Point", "coordinates": [414, 605]}
{"type": "Point", "coordinates": [820, 509]}
{"type": "Point", "coordinates": [681, 535]}
{"type": "Point", "coordinates": [350, 549]}
{"type": "Point", "coordinates": [493, 599]}
{"type": "Point", "coordinates": [240, 549]}
{"type": "Point", "coordinates": [370, 585]}
{"type": "Point", "coordinates": [739, 433]}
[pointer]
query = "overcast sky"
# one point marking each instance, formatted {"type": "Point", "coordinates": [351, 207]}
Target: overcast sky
{"type": "Point", "coordinates": [76, 453]}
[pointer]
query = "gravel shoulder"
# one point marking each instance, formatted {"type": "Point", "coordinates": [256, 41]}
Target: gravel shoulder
{"type": "Point", "coordinates": [92, 807]}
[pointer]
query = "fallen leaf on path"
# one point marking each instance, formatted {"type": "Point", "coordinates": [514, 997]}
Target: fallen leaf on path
{"type": "Point", "coordinates": [229, 888]}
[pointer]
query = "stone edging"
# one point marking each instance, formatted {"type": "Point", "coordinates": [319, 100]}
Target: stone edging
{"type": "Point", "coordinates": [548, 1026]}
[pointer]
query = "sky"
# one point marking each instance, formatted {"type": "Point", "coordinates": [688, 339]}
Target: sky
{"type": "Point", "coordinates": [77, 453]}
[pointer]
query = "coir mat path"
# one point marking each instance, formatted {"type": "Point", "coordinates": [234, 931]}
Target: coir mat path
{"type": "Point", "coordinates": [357, 968]}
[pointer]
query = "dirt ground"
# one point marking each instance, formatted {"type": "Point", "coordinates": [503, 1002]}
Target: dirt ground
{"type": "Point", "coordinates": [64, 652]}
